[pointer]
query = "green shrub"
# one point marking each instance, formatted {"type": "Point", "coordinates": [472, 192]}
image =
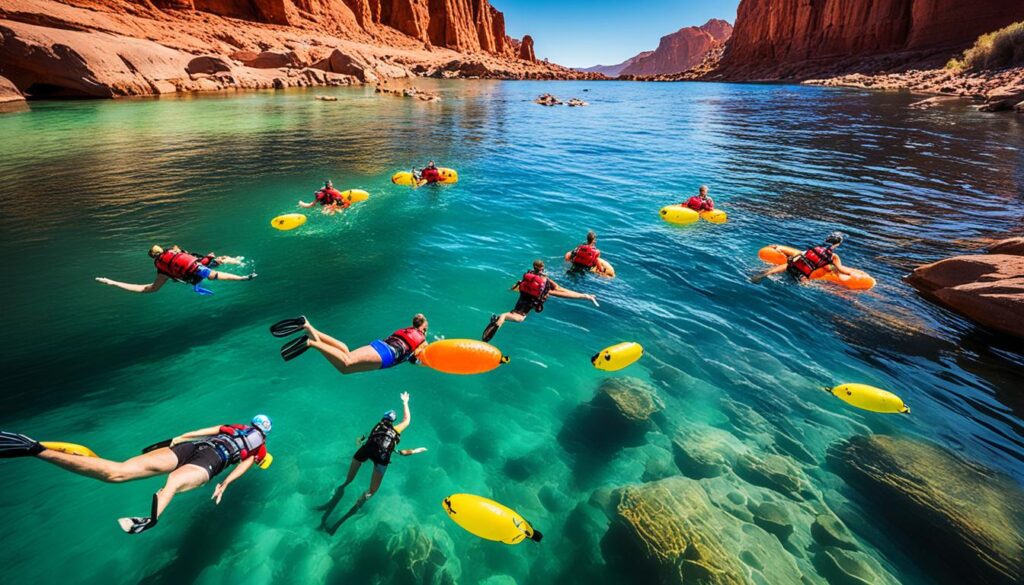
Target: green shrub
{"type": "Point", "coordinates": [1002, 48]}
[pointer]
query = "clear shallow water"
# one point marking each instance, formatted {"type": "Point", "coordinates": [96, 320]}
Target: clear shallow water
{"type": "Point", "coordinates": [87, 187]}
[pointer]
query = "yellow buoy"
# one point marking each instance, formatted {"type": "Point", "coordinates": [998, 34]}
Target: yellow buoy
{"type": "Point", "coordinates": [288, 221]}
{"type": "Point", "coordinates": [489, 519]}
{"type": "Point", "coordinates": [714, 216]}
{"type": "Point", "coordinates": [69, 448]}
{"type": "Point", "coordinates": [679, 214]}
{"type": "Point", "coordinates": [267, 461]}
{"type": "Point", "coordinates": [870, 398]}
{"type": "Point", "coordinates": [461, 356]}
{"type": "Point", "coordinates": [355, 195]}
{"type": "Point", "coordinates": [617, 356]}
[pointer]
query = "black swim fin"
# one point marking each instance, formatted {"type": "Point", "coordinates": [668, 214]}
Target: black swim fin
{"type": "Point", "coordinates": [294, 348]}
{"type": "Point", "coordinates": [160, 445]}
{"type": "Point", "coordinates": [491, 329]}
{"type": "Point", "coordinates": [288, 326]}
{"type": "Point", "coordinates": [135, 524]}
{"type": "Point", "coordinates": [14, 445]}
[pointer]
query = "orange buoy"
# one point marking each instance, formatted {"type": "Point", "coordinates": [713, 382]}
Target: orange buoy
{"type": "Point", "coordinates": [461, 356]}
{"type": "Point", "coordinates": [859, 280]}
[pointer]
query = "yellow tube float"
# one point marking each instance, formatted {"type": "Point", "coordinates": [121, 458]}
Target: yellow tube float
{"type": "Point", "coordinates": [69, 448]}
{"type": "Point", "coordinates": [618, 356]}
{"type": "Point", "coordinates": [267, 461]}
{"type": "Point", "coordinates": [870, 398]}
{"type": "Point", "coordinates": [289, 221]}
{"type": "Point", "coordinates": [489, 519]}
{"type": "Point", "coordinates": [448, 176]}
{"type": "Point", "coordinates": [354, 195]}
{"type": "Point", "coordinates": [859, 280]}
{"type": "Point", "coordinates": [679, 214]}
{"type": "Point", "coordinates": [461, 356]}
{"type": "Point", "coordinates": [714, 216]}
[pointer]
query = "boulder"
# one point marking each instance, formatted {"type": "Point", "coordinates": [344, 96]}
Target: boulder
{"type": "Point", "coordinates": [9, 93]}
{"type": "Point", "coordinates": [969, 516]}
{"type": "Point", "coordinates": [1011, 246]}
{"type": "Point", "coordinates": [773, 518]}
{"type": "Point", "coordinates": [843, 567]}
{"type": "Point", "coordinates": [774, 472]}
{"type": "Point", "coordinates": [268, 59]}
{"type": "Point", "coordinates": [827, 530]}
{"type": "Point", "coordinates": [986, 288]}
{"type": "Point", "coordinates": [634, 399]}
{"type": "Point", "coordinates": [207, 64]}
{"type": "Point", "coordinates": [704, 451]}
{"type": "Point", "coordinates": [1003, 99]}
{"type": "Point", "coordinates": [668, 531]}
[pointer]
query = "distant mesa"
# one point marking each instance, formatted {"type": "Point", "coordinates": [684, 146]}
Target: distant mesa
{"type": "Point", "coordinates": [676, 52]}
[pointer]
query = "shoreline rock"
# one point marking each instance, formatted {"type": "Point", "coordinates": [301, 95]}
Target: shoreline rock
{"type": "Point", "coordinates": [985, 288]}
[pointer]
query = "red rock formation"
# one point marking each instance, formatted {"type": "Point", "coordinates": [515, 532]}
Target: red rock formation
{"type": "Point", "coordinates": [790, 39]}
{"type": "Point", "coordinates": [680, 50]}
{"type": "Point", "coordinates": [8, 92]}
{"type": "Point", "coordinates": [986, 288]}
{"type": "Point", "coordinates": [614, 70]}
{"type": "Point", "coordinates": [526, 49]}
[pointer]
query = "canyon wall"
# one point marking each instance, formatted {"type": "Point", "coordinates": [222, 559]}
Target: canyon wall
{"type": "Point", "coordinates": [786, 39]}
{"type": "Point", "coordinates": [680, 50]}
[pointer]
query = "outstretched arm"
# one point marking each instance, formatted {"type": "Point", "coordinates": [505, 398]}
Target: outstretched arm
{"type": "Point", "coordinates": [558, 291]}
{"type": "Point", "coordinates": [236, 473]}
{"type": "Point", "coordinates": [838, 266]}
{"type": "Point", "coordinates": [307, 205]}
{"type": "Point", "coordinates": [407, 416]}
{"type": "Point", "coordinates": [138, 288]}
{"type": "Point", "coordinates": [773, 270]}
{"type": "Point", "coordinates": [407, 452]}
{"type": "Point", "coordinates": [207, 432]}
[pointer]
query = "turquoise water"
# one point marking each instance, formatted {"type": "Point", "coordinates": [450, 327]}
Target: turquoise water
{"type": "Point", "coordinates": [88, 187]}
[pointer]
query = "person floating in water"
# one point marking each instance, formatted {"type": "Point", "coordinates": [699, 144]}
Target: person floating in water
{"type": "Point", "coordinates": [428, 174]}
{"type": "Point", "coordinates": [329, 198]}
{"type": "Point", "coordinates": [802, 265]}
{"type": "Point", "coordinates": [534, 288]}
{"type": "Point", "coordinates": [586, 257]}
{"type": "Point", "coordinates": [377, 447]}
{"type": "Point", "coordinates": [189, 460]}
{"type": "Point", "coordinates": [700, 201]}
{"type": "Point", "coordinates": [182, 266]}
{"type": "Point", "coordinates": [401, 346]}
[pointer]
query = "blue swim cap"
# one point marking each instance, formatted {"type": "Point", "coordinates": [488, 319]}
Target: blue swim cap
{"type": "Point", "coordinates": [390, 415]}
{"type": "Point", "coordinates": [262, 422]}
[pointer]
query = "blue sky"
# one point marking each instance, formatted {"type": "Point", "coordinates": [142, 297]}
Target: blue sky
{"type": "Point", "coordinates": [580, 33]}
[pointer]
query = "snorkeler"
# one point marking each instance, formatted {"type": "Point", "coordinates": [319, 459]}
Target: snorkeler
{"type": "Point", "coordinates": [802, 265]}
{"type": "Point", "coordinates": [534, 288]}
{"type": "Point", "coordinates": [377, 446]}
{"type": "Point", "coordinates": [380, 354]}
{"type": "Point", "coordinates": [587, 258]}
{"type": "Point", "coordinates": [700, 201]}
{"type": "Point", "coordinates": [428, 174]}
{"type": "Point", "coordinates": [328, 197]}
{"type": "Point", "coordinates": [189, 460]}
{"type": "Point", "coordinates": [185, 267]}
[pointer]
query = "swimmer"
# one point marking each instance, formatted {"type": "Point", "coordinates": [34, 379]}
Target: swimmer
{"type": "Point", "coordinates": [401, 346]}
{"type": "Point", "coordinates": [328, 197]}
{"type": "Point", "coordinates": [189, 461]}
{"type": "Point", "coordinates": [377, 447]}
{"type": "Point", "coordinates": [534, 288]}
{"type": "Point", "coordinates": [801, 266]}
{"type": "Point", "coordinates": [182, 266]}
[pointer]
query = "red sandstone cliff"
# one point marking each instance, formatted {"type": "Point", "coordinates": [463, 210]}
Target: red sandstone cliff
{"type": "Point", "coordinates": [680, 50]}
{"type": "Point", "coordinates": [787, 39]}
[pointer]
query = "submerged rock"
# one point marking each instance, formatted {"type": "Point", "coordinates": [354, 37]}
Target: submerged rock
{"type": "Point", "coordinates": [547, 99]}
{"type": "Point", "coordinates": [774, 472]}
{"type": "Point", "coordinates": [773, 518]}
{"type": "Point", "coordinates": [670, 532]}
{"type": "Point", "coordinates": [704, 451]}
{"type": "Point", "coordinates": [828, 530]}
{"type": "Point", "coordinates": [843, 567]}
{"type": "Point", "coordinates": [635, 399]}
{"type": "Point", "coordinates": [969, 516]}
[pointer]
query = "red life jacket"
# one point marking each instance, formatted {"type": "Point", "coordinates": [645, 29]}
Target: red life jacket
{"type": "Point", "coordinates": [431, 175]}
{"type": "Point", "coordinates": [179, 265]}
{"type": "Point", "coordinates": [811, 260]}
{"type": "Point", "coordinates": [327, 196]}
{"type": "Point", "coordinates": [534, 285]}
{"type": "Point", "coordinates": [586, 255]}
{"type": "Point", "coordinates": [697, 204]}
{"type": "Point", "coordinates": [239, 442]}
{"type": "Point", "coordinates": [411, 336]}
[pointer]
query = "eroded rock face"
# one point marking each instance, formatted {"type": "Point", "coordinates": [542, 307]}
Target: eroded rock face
{"type": "Point", "coordinates": [526, 49]}
{"type": "Point", "coordinates": [967, 515]}
{"type": "Point", "coordinates": [680, 50]}
{"type": "Point", "coordinates": [635, 399]}
{"type": "Point", "coordinates": [8, 92]}
{"type": "Point", "coordinates": [670, 530]}
{"type": "Point", "coordinates": [780, 38]}
{"type": "Point", "coordinates": [986, 288]}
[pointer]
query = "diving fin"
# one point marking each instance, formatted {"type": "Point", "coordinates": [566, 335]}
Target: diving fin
{"type": "Point", "coordinates": [204, 292]}
{"type": "Point", "coordinates": [135, 524]}
{"type": "Point", "coordinates": [294, 348]}
{"type": "Point", "coordinates": [14, 445]}
{"type": "Point", "coordinates": [491, 328]}
{"type": "Point", "coordinates": [288, 326]}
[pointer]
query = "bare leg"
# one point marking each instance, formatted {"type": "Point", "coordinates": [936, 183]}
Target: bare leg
{"type": "Point", "coordinates": [375, 481]}
{"type": "Point", "coordinates": [181, 480]}
{"type": "Point", "coordinates": [215, 275]}
{"type": "Point", "coordinates": [339, 492]}
{"type": "Point", "coordinates": [149, 464]}
{"type": "Point", "coordinates": [317, 335]}
{"type": "Point", "coordinates": [514, 317]}
{"type": "Point", "coordinates": [363, 359]}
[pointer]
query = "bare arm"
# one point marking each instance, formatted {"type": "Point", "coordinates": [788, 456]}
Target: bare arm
{"type": "Point", "coordinates": [407, 416]}
{"type": "Point", "coordinates": [138, 288]}
{"type": "Point", "coordinates": [838, 266]}
{"type": "Point", "coordinates": [236, 473]}
{"type": "Point", "coordinates": [773, 270]}
{"type": "Point", "coordinates": [407, 452]}
{"type": "Point", "coordinates": [207, 432]}
{"type": "Point", "coordinates": [565, 293]}
{"type": "Point", "coordinates": [307, 205]}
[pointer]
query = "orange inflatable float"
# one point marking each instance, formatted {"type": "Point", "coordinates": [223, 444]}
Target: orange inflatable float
{"type": "Point", "coordinates": [461, 356]}
{"type": "Point", "coordinates": [859, 280]}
